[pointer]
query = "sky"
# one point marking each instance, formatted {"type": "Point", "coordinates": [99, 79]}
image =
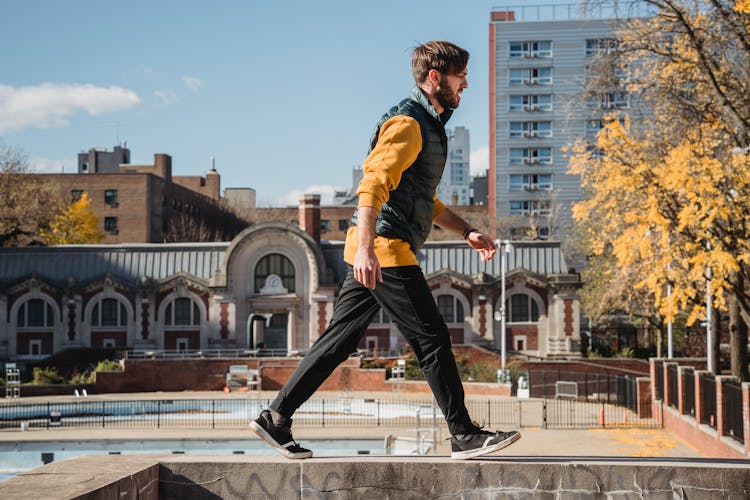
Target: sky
{"type": "Point", "coordinates": [283, 94]}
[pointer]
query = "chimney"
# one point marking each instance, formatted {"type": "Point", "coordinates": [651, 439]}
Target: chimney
{"type": "Point", "coordinates": [503, 15]}
{"type": "Point", "coordinates": [309, 215]}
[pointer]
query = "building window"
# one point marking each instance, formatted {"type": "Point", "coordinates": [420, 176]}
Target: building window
{"type": "Point", "coordinates": [111, 197]}
{"type": "Point", "coordinates": [277, 264]}
{"type": "Point", "coordinates": [532, 49]}
{"type": "Point", "coordinates": [110, 225]}
{"type": "Point", "coordinates": [530, 156]}
{"type": "Point", "coordinates": [593, 127]}
{"type": "Point", "coordinates": [35, 313]}
{"type": "Point", "coordinates": [343, 224]}
{"type": "Point", "coordinates": [182, 311]}
{"type": "Point", "coordinates": [611, 100]}
{"type": "Point", "coordinates": [381, 318]}
{"type": "Point", "coordinates": [596, 46]}
{"type": "Point", "coordinates": [450, 309]}
{"type": "Point", "coordinates": [76, 194]}
{"type": "Point", "coordinates": [530, 76]}
{"type": "Point", "coordinates": [541, 102]}
{"type": "Point", "coordinates": [523, 309]}
{"type": "Point", "coordinates": [109, 312]}
{"type": "Point", "coordinates": [530, 182]}
{"type": "Point", "coordinates": [325, 226]}
{"type": "Point", "coordinates": [530, 129]}
{"type": "Point", "coordinates": [529, 207]}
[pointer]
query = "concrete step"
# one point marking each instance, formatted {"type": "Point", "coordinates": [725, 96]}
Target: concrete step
{"type": "Point", "coordinates": [247, 476]}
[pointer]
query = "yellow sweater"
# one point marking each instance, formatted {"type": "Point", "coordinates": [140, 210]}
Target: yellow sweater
{"type": "Point", "coordinates": [399, 144]}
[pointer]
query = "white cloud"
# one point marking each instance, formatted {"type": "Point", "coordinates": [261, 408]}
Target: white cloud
{"type": "Point", "coordinates": [51, 104]}
{"type": "Point", "coordinates": [50, 166]}
{"type": "Point", "coordinates": [166, 96]}
{"type": "Point", "coordinates": [192, 83]}
{"type": "Point", "coordinates": [292, 197]}
{"type": "Point", "coordinates": [479, 160]}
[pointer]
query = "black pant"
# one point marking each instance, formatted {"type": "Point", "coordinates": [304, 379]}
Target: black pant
{"type": "Point", "coordinates": [406, 298]}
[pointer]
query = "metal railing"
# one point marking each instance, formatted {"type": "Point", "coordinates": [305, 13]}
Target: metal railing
{"type": "Point", "coordinates": [708, 399]}
{"type": "Point", "coordinates": [732, 410]}
{"type": "Point", "coordinates": [672, 384]}
{"type": "Point", "coordinates": [688, 392]}
{"type": "Point", "coordinates": [317, 413]}
{"type": "Point", "coordinates": [615, 389]}
{"type": "Point", "coordinates": [659, 382]}
{"type": "Point", "coordinates": [202, 353]}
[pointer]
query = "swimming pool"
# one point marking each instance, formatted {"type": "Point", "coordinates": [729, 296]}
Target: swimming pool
{"type": "Point", "coordinates": [26, 455]}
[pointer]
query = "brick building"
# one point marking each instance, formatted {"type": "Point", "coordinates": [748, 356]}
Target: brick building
{"type": "Point", "coordinates": [146, 203]}
{"type": "Point", "coordinates": [273, 286]}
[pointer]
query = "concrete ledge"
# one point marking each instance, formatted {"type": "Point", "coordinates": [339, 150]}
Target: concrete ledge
{"type": "Point", "coordinates": [244, 476]}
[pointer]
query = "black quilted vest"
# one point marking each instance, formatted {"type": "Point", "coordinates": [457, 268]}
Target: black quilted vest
{"type": "Point", "coordinates": [408, 213]}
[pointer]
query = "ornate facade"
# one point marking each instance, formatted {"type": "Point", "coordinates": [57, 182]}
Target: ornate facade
{"type": "Point", "coordinates": [273, 287]}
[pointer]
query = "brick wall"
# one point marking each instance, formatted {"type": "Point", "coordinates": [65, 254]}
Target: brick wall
{"type": "Point", "coordinates": [709, 441]}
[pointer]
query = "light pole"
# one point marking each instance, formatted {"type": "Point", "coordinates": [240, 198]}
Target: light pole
{"type": "Point", "coordinates": [669, 304]}
{"type": "Point", "coordinates": [709, 320]}
{"type": "Point", "coordinates": [505, 248]}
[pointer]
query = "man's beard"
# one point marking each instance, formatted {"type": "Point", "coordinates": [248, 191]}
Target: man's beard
{"type": "Point", "coordinates": [445, 96]}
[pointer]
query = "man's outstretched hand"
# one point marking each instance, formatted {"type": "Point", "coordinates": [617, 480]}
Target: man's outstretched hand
{"type": "Point", "coordinates": [483, 244]}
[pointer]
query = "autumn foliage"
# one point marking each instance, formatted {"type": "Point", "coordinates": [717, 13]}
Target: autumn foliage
{"type": "Point", "coordinates": [76, 224]}
{"type": "Point", "coordinates": [668, 197]}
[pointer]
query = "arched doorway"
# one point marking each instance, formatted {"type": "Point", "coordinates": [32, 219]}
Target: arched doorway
{"type": "Point", "coordinates": [275, 333]}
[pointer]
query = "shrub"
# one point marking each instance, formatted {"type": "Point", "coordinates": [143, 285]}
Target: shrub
{"type": "Point", "coordinates": [108, 365]}
{"type": "Point", "coordinates": [44, 376]}
{"type": "Point", "coordinates": [83, 378]}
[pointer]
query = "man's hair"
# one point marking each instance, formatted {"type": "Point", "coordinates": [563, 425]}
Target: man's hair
{"type": "Point", "coordinates": [443, 56]}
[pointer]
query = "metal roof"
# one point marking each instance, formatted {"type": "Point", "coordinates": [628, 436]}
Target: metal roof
{"type": "Point", "coordinates": [130, 262]}
{"type": "Point", "coordinates": [539, 257]}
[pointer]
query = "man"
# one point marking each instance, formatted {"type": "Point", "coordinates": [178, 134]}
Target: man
{"type": "Point", "coordinates": [396, 210]}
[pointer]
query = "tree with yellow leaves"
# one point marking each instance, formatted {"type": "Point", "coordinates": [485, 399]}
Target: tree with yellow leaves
{"type": "Point", "coordinates": [76, 224]}
{"type": "Point", "coordinates": [668, 196]}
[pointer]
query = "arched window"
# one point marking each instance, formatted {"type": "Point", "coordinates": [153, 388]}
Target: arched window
{"type": "Point", "coordinates": [182, 312]}
{"type": "Point", "coordinates": [108, 313]}
{"type": "Point", "coordinates": [450, 309]}
{"type": "Point", "coordinates": [274, 263]}
{"type": "Point", "coordinates": [35, 313]}
{"type": "Point", "coordinates": [523, 309]}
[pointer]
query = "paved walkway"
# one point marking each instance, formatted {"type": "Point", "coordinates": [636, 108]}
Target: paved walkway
{"type": "Point", "coordinates": [535, 442]}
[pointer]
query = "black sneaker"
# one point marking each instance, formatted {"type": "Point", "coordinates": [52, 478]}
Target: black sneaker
{"type": "Point", "coordinates": [278, 436]}
{"type": "Point", "coordinates": [480, 442]}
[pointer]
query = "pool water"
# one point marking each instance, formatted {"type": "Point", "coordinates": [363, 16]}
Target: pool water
{"type": "Point", "coordinates": [24, 456]}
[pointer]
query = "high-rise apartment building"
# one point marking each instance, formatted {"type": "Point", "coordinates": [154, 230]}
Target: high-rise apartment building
{"type": "Point", "coordinates": [455, 186]}
{"type": "Point", "coordinates": [540, 57]}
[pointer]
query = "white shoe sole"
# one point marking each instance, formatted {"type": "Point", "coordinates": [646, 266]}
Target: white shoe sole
{"type": "Point", "coordinates": [478, 452]}
{"type": "Point", "coordinates": [265, 436]}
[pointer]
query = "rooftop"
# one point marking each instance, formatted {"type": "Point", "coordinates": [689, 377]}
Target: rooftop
{"type": "Point", "coordinates": [576, 11]}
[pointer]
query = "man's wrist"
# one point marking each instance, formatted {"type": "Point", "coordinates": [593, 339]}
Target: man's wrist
{"type": "Point", "coordinates": [468, 231]}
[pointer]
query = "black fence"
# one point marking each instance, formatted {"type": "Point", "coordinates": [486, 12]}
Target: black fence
{"type": "Point", "coordinates": [659, 382]}
{"type": "Point", "coordinates": [672, 383]}
{"type": "Point", "coordinates": [614, 389]}
{"type": "Point", "coordinates": [733, 414]}
{"type": "Point", "coordinates": [708, 399]}
{"type": "Point", "coordinates": [236, 413]}
{"type": "Point", "coordinates": [688, 394]}
{"type": "Point", "coordinates": [627, 392]}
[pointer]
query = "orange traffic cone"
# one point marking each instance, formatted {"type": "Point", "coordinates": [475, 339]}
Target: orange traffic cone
{"type": "Point", "coordinates": [601, 417]}
{"type": "Point", "coordinates": [625, 418]}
